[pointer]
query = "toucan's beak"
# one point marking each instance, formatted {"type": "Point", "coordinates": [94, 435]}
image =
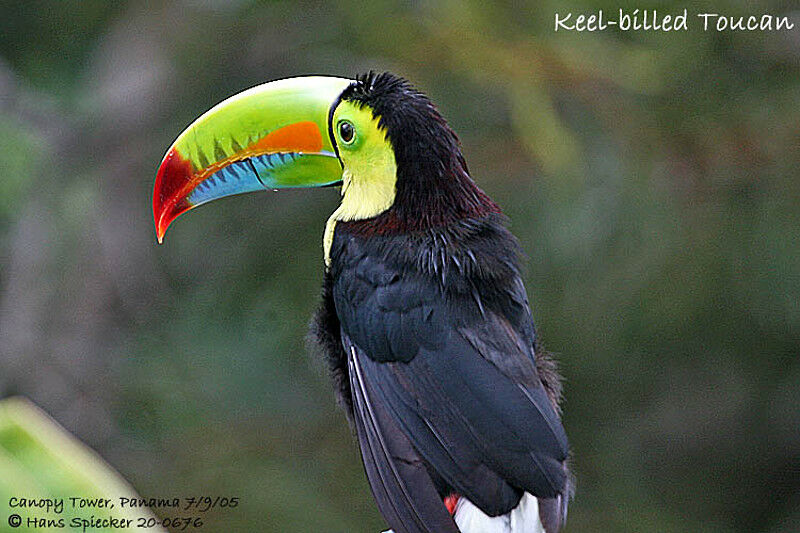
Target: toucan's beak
{"type": "Point", "coordinates": [269, 137]}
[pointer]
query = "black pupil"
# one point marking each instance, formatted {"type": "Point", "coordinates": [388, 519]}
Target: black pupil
{"type": "Point", "coordinates": [346, 131]}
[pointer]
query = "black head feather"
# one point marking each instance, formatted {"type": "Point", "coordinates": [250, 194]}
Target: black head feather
{"type": "Point", "coordinates": [433, 183]}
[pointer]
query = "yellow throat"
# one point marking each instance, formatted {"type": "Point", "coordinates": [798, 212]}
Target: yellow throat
{"type": "Point", "coordinates": [370, 171]}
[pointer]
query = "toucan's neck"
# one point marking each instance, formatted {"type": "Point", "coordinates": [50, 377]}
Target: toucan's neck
{"type": "Point", "coordinates": [433, 186]}
{"type": "Point", "coordinates": [429, 192]}
{"type": "Point", "coordinates": [368, 189]}
{"type": "Point", "coordinates": [427, 208]}
{"type": "Point", "coordinates": [419, 203]}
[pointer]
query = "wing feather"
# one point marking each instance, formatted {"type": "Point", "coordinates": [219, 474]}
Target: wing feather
{"type": "Point", "coordinates": [400, 482]}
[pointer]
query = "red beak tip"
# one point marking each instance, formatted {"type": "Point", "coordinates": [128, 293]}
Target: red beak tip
{"type": "Point", "coordinates": [169, 192]}
{"type": "Point", "coordinates": [159, 223]}
{"type": "Point", "coordinates": [162, 224]}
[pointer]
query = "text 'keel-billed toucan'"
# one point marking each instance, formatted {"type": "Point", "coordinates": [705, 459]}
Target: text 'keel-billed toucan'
{"type": "Point", "coordinates": [424, 319]}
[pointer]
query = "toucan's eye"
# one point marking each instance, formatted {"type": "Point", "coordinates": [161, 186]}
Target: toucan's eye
{"type": "Point", "coordinates": [346, 132]}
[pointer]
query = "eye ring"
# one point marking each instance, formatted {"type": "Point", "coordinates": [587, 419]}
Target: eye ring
{"type": "Point", "coordinates": [347, 133]}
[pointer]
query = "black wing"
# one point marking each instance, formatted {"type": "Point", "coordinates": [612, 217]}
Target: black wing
{"type": "Point", "coordinates": [400, 482]}
{"type": "Point", "coordinates": [450, 376]}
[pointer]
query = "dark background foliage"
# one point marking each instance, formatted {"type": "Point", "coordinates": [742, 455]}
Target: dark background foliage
{"type": "Point", "coordinates": [651, 178]}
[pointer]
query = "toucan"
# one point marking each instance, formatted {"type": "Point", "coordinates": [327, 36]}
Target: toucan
{"type": "Point", "coordinates": [424, 320]}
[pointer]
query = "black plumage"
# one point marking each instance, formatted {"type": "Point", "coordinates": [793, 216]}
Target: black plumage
{"type": "Point", "coordinates": [427, 330]}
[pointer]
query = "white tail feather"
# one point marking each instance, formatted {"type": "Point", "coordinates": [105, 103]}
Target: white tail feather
{"type": "Point", "coordinates": [524, 518]}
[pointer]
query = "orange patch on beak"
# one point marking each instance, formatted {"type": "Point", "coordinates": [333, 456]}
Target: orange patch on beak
{"type": "Point", "coordinates": [298, 137]}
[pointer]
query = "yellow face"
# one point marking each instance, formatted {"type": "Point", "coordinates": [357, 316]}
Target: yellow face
{"type": "Point", "coordinates": [370, 170]}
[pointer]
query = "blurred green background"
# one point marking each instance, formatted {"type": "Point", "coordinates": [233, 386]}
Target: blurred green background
{"type": "Point", "coordinates": [652, 179]}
